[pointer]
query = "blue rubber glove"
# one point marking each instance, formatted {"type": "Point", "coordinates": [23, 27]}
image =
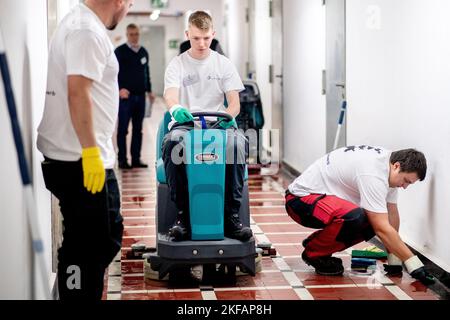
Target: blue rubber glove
{"type": "Point", "coordinates": [228, 124]}
{"type": "Point", "coordinates": [181, 114]}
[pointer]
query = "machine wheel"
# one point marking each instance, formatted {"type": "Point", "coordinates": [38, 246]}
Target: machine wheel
{"type": "Point", "coordinates": [149, 273]}
{"type": "Point", "coordinates": [242, 271]}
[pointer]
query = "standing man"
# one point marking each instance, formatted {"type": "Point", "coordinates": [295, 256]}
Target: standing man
{"type": "Point", "coordinates": [351, 195]}
{"type": "Point", "coordinates": [134, 85]}
{"type": "Point", "coordinates": [75, 137]}
{"type": "Point", "coordinates": [196, 81]}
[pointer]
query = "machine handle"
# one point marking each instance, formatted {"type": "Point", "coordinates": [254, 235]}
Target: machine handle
{"type": "Point", "coordinates": [212, 114]}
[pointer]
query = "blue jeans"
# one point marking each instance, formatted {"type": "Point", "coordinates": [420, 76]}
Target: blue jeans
{"type": "Point", "coordinates": [132, 109]}
{"type": "Point", "coordinates": [93, 228]}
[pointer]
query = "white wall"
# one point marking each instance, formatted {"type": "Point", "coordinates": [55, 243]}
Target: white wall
{"type": "Point", "coordinates": [303, 103]}
{"type": "Point", "coordinates": [235, 34]}
{"type": "Point", "coordinates": [23, 24]}
{"type": "Point", "coordinates": [174, 30]}
{"type": "Point", "coordinates": [215, 8]}
{"type": "Point", "coordinates": [398, 72]}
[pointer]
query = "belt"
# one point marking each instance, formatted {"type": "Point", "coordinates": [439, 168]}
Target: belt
{"type": "Point", "coordinates": [50, 160]}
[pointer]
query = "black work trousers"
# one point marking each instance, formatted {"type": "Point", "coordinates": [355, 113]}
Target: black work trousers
{"type": "Point", "coordinates": [92, 229]}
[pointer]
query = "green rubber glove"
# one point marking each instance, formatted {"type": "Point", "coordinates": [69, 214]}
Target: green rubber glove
{"type": "Point", "coordinates": [181, 114]}
{"type": "Point", "coordinates": [228, 124]}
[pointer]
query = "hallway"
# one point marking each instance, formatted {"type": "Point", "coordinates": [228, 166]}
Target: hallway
{"type": "Point", "coordinates": [283, 277]}
{"type": "Point", "coordinates": [348, 97]}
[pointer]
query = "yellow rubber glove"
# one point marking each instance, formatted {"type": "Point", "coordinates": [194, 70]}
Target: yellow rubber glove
{"type": "Point", "coordinates": [93, 169]}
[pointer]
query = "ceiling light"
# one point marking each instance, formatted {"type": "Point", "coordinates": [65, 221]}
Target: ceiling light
{"type": "Point", "coordinates": [155, 15]}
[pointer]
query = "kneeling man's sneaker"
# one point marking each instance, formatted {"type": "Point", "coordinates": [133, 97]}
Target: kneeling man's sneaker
{"type": "Point", "coordinates": [326, 266]}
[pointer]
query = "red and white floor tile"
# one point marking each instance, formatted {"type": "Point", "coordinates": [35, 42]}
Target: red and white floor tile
{"type": "Point", "coordinates": [283, 277]}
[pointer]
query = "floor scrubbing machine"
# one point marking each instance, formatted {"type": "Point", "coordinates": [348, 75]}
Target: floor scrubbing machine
{"type": "Point", "coordinates": [205, 148]}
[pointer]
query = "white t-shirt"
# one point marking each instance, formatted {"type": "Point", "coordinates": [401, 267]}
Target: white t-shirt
{"type": "Point", "coordinates": [359, 174]}
{"type": "Point", "coordinates": [80, 46]}
{"type": "Point", "coordinates": [202, 83]}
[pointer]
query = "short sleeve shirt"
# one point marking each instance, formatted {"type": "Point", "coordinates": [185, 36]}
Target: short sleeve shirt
{"type": "Point", "coordinates": [202, 83]}
{"type": "Point", "coordinates": [80, 46]}
{"type": "Point", "coordinates": [359, 174]}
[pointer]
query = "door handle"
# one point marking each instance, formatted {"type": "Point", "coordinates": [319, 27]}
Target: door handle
{"type": "Point", "coordinates": [341, 85]}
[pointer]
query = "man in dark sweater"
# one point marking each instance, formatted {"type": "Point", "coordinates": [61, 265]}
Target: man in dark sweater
{"type": "Point", "coordinates": [134, 85]}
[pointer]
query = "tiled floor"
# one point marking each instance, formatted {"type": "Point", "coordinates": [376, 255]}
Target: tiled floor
{"type": "Point", "coordinates": [284, 276]}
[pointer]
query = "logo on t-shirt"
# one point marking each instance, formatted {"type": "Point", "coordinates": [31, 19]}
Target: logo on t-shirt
{"type": "Point", "coordinates": [190, 79]}
{"type": "Point", "coordinates": [362, 147]}
{"type": "Point", "coordinates": [213, 77]}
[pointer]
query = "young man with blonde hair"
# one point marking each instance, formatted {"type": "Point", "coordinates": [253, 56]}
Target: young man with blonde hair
{"type": "Point", "coordinates": [195, 81]}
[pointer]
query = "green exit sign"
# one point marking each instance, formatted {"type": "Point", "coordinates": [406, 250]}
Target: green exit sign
{"type": "Point", "coordinates": [159, 4]}
{"type": "Point", "coordinates": [173, 44]}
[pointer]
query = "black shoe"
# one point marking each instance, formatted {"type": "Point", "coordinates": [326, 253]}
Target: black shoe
{"type": "Point", "coordinates": [124, 165]}
{"type": "Point", "coordinates": [326, 266]}
{"type": "Point", "coordinates": [235, 230]}
{"type": "Point", "coordinates": [178, 231]}
{"type": "Point", "coordinates": [305, 242]}
{"type": "Point", "coordinates": [139, 164]}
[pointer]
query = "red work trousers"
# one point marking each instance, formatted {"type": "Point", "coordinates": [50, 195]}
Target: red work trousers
{"type": "Point", "coordinates": [342, 224]}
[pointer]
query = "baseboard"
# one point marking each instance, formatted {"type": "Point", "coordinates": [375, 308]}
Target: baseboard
{"type": "Point", "coordinates": [288, 169]}
{"type": "Point", "coordinates": [54, 286]}
{"type": "Point", "coordinates": [442, 286]}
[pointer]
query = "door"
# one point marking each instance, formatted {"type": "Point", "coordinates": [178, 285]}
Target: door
{"type": "Point", "coordinates": [335, 70]}
{"type": "Point", "coordinates": [260, 65]}
{"type": "Point", "coordinates": [276, 78]}
{"type": "Point", "coordinates": [153, 39]}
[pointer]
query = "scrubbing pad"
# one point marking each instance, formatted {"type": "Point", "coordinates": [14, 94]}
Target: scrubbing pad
{"type": "Point", "coordinates": [363, 261]}
{"type": "Point", "coordinates": [369, 254]}
{"type": "Point", "coordinates": [373, 249]}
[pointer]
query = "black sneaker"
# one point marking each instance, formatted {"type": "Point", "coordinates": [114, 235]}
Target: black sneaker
{"type": "Point", "coordinates": [305, 242]}
{"type": "Point", "coordinates": [178, 231]}
{"type": "Point", "coordinates": [326, 266]}
{"type": "Point", "coordinates": [139, 164]}
{"type": "Point", "coordinates": [124, 165]}
{"type": "Point", "coordinates": [235, 230]}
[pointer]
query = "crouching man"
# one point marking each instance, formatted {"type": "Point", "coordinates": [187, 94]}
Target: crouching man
{"type": "Point", "coordinates": [350, 194]}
